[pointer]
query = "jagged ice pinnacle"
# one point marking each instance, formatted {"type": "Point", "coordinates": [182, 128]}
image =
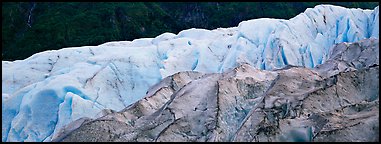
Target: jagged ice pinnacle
{"type": "Point", "coordinates": [50, 89]}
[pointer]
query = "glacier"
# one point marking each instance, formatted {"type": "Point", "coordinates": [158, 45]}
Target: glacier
{"type": "Point", "coordinates": [50, 89]}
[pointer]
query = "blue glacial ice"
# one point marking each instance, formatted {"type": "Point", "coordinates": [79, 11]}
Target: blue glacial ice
{"type": "Point", "coordinates": [46, 91]}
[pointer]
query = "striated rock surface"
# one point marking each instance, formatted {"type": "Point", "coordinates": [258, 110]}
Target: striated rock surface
{"type": "Point", "coordinates": [335, 101]}
{"type": "Point", "coordinates": [77, 82]}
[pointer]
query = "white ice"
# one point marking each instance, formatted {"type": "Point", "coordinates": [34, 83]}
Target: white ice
{"type": "Point", "coordinates": [48, 90]}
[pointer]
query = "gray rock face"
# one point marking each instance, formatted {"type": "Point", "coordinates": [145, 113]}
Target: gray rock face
{"type": "Point", "coordinates": [335, 101]}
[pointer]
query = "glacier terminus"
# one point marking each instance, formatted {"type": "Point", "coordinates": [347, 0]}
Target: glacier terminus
{"type": "Point", "coordinates": [50, 89]}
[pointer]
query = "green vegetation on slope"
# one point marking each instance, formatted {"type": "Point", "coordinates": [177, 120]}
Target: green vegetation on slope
{"type": "Point", "coordinates": [28, 28]}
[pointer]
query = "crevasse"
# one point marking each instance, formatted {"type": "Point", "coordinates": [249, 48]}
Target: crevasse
{"type": "Point", "coordinates": [39, 97]}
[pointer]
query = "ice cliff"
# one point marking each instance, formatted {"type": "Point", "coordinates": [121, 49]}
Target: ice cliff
{"type": "Point", "coordinates": [48, 90]}
{"type": "Point", "coordinates": [335, 101]}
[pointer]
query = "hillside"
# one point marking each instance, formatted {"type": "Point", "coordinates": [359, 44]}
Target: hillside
{"type": "Point", "coordinates": [28, 28]}
{"type": "Point", "coordinates": [47, 91]}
